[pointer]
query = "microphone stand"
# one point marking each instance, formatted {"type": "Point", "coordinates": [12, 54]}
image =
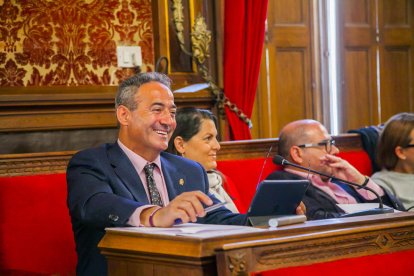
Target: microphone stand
{"type": "Point", "coordinates": [375, 211]}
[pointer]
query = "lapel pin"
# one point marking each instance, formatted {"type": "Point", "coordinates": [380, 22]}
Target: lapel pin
{"type": "Point", "coordinates": [181, 182]}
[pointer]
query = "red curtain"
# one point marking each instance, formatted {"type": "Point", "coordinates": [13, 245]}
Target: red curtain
{"type": "Point", "coordinates": [244, 29]}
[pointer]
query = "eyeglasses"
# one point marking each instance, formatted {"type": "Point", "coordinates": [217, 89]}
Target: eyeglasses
{"type": "Point", "coordinates": [327, 143]}
{"type": "Point", "coordinates": [409, 146]}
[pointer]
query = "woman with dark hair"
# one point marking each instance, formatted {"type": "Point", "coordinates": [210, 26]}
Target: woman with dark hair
{"type": "Point", "coordinates": [396, 157]}
{"type": "Point", "coordinates": [195, 138]}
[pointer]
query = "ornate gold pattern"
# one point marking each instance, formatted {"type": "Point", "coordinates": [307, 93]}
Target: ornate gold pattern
{"type": "Point", "coordinates": [178, 17]}
{"type": "Point", "coordinates": [49, 43]}
{"type": "Point", "coordinates": [200, 40]}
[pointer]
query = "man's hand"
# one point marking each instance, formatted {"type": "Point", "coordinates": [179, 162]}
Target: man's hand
{"type": "Point", "coordinates": [187, 207]}
{"type": "Point", "coordinates": [301, 209]}
{"type": "Point", "coordinates": [342, 169]}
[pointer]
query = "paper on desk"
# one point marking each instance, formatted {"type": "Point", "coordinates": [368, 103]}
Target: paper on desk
{"type": "Point", "coordinates": [193, 229]}
{"type": "Point", "coordinates": [351, 208]}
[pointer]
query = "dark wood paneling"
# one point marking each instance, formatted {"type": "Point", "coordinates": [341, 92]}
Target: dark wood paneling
{"type": "Point", "coordinates": [395, 91]}
{"type": "Point", "coordinates": [287, 12]}
{"type": "Point", "coordinates": [286, 93]}
{"type": "Point", "coordinates": [356, 12]}
{"type": "Point", "coordinates": [358, 62]}
{"type": "Point", "coordinates": [290, 81]}
{"type": "Point", "coordinates": [66, 118]}
{"type": "Point", "coordinates": [56, 108]}
{"type": "Point", "coordinates": [376, 60]}
{"type": "Point", "coordinates": [356, 93]}
{"type": "Point", "coordinates": [56, 162]}
{"type": "Point", "coordinates": [397, 57]}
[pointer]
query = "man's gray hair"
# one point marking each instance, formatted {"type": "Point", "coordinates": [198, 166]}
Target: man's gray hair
{"type": "Point", "coordinates": [129, 87]}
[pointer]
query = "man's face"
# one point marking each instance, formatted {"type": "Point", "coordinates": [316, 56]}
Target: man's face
{"type": "Point", "coordinates": [311, 156]}
{"type": "Point", "coordinates": [150, 126]}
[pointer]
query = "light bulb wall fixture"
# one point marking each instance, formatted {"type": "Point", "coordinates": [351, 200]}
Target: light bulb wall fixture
{"type": "Point", "coordinates": [200, 43]}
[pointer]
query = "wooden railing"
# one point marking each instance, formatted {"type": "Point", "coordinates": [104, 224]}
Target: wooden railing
{"type": "Point", "coordinates": [56, 162]}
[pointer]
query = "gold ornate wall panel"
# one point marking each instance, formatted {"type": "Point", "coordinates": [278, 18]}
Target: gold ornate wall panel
{"type": "Point", "coordinates": [182, 67]}
{"type": "Point", "coordinates": [58, 68]}
{"type": "Point", "coordinates": [71, 42]}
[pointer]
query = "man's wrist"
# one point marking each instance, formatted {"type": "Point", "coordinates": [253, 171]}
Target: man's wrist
{"type": "Point", "coordinates": [146, 213]}
{"type": "Point", "coordinates": [151, 217]}
{"type": "Point", "coordinates": [366, 180]}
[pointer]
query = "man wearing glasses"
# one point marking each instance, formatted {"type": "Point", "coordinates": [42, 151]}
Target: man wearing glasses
{"type": "Point", "coordinates": [308, 144]}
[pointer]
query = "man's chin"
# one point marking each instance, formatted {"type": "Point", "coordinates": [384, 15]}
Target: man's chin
{"type": "Point", "coordinates": [163, 146]}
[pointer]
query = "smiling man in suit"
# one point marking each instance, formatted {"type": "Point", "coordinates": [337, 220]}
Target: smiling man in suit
{"type": "Point", "coordinates": [132, 182]}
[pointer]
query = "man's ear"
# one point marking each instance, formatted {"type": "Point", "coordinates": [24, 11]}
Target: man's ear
{"type": "Point", "coordinates": [296, 154]}
{"type": "Point", "coordinates": [122, 114]}
{"type": "Point", "coordinates": [179, 144]}
{"type": "Point", "coordinates": [400, 153]}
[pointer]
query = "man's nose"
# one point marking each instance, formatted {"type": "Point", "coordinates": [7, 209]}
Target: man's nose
{"type": "Point", "coordinates": [167, 118]}
{"type": "Point", "coordinates": [334, 150]}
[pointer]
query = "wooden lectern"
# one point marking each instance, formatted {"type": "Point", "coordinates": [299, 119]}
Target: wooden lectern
{"type": "Point", "coordinates": [131, 253]}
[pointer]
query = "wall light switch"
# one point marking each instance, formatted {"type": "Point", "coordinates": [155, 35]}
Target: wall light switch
{"type": "Point", "coordinates": [129, 56]}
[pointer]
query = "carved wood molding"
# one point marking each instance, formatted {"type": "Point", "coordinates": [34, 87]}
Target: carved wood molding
{"type": "Point", "coordinates": [80, 107]}
{"type": "Point", "coordinates": [257, 148]}
{"type": "Point", "coordinates": [328, 249]}
{"type": "Point", "coordinates": [237, 264]}
{"type": "Point", "coordinates": [56, 162]}
{"type": "Point", "coordinates": [246, 257]}
{"type": "Point", "coordinates": [35, 163]}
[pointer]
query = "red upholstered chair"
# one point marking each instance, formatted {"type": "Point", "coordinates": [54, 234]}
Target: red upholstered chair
{"type": "Point", "coordinates": [359, 159]}
{"type": "Point", "coordinates": [243, 176]}
{"type": "Point", "coordinates": [35, 231]}
{"type": "Point", "coordinates": [397, 263]}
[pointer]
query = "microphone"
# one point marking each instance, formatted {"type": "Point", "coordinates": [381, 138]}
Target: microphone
{"type": "Point", "coordinates": [279, 160]}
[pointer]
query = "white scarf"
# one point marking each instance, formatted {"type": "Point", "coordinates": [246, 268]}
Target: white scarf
{"type": "Point", "coordinates": [216, 188]}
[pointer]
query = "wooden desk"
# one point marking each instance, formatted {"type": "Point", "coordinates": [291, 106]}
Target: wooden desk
{"type": "Point", "coordinates": [295, 245]}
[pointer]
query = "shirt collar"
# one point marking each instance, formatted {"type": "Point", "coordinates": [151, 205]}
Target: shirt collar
{"type": "Point", "coordinates": [138, 161]}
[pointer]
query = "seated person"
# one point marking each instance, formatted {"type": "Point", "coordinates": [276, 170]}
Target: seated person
{"type": "Point", "coordinates": [307, 143]}
{"type": "Point", "coordinates": [132, 182]}
{"type": "Point", "coordinates": [196, 138]}
{"type": "Point", "coordinates": [395, 155]}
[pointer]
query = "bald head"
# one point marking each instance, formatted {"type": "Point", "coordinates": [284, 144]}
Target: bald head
{"type": "Point", "coordinates": [297, 133]}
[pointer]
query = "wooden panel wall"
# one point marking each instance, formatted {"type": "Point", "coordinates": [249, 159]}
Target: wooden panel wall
{"type": "Point", "coordinates": [359, 63]}
{"type": "Point", "coordinates": [377, 60]}
{"type": "Point", "coordinates": [397, 61]}
{"type": "Point", "coordinates": [56, 162]}
{"type": "Point", "coordinates": [286, 93]}
{"type": "Point", "coordinates": [64, 118]}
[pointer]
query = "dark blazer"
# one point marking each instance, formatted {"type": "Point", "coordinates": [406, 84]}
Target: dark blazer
{"type": "Point", "coordinates": [104, 189]}
{"type": "Point", "coordinates": [320, 205]}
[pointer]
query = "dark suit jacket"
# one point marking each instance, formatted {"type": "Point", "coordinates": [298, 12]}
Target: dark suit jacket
{"type": "Point", "coordinates": [320, 205]}
{"type": "Point", "coordinates": [104, 189]}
